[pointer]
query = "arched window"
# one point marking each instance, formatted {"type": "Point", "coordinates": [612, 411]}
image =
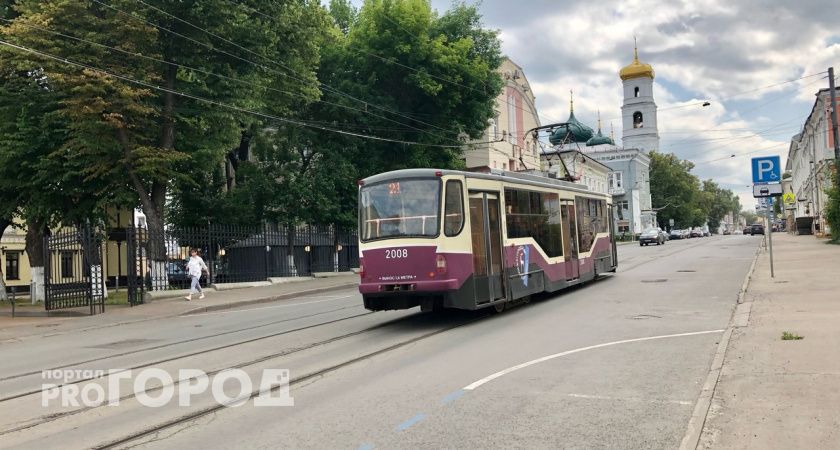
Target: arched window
{"type": "Point", "coordinates": [637, 120]}
{"type": "Point", "coordinates": [636, 91]}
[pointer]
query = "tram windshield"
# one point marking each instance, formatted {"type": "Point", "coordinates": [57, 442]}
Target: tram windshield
{"type": "Point", "coordinates": [400, 208]}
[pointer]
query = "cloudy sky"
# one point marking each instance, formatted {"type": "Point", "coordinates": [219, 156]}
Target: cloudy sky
{"type": "Point", "coordinates": [720, 50]}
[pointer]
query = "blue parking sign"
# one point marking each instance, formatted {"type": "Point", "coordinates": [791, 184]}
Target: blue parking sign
{"type": "Point", "coordinates": [766, 169]}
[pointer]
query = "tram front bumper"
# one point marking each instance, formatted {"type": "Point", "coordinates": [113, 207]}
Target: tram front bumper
{"type": "Point", "coordinates": [385, 288]}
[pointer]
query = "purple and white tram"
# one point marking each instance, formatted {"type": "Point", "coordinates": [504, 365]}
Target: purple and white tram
{"type": "Point", "coordinates": [450, 239]}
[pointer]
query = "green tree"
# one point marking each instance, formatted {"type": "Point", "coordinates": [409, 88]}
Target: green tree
{"type": "Point", "coordinates": [135, 136]}
{"type": "Point", "coordinates": [832, 208]}
{"type": "Point", "coordinates": [675, 192]}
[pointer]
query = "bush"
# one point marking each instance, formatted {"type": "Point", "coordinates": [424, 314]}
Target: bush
{"type": "Point", "coordinates": [832, 209]}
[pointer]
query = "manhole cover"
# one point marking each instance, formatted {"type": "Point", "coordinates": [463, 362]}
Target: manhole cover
{"type": "Point", "coordinates": [124, 344]}
{"type": "Point", "coordinates": [781, 282]}
{"type": "Point", "coordinates": [687, 271]}
{"type": "Point", "coordinates": [658, 280]}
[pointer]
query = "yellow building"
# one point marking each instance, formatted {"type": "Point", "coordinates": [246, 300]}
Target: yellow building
{"type": "Point", "coordinates": [66, 263]}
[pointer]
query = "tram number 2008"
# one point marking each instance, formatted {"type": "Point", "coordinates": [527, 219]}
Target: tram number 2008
{"type": "Point", "coordinates": [396, 253]}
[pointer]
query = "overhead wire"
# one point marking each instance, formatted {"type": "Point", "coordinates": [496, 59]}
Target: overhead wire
{"type": "Point", "coordinates": [215, 102]}
{"type": "Point", "coordinates": [409, 128]}
{"type": "Point", "coordinates": [295, 75]}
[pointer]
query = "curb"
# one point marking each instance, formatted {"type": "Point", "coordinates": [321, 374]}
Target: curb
{"type": "Point", "coordinates": [192, 311]}
{"type": "Point", "coordinates": [738, 318]}
{"type": "Point", "coordinates": [257, 301]}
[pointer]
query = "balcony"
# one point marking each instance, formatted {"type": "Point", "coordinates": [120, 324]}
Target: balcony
{"type": "Point", "coordinates": [617, 191]}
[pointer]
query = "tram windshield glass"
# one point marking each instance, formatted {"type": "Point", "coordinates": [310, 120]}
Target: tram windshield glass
{"type": "Point", "coordinates": [400, 208]}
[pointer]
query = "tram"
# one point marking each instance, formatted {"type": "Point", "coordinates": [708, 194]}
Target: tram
{"type": "Point", "coordinates": [450, 239]}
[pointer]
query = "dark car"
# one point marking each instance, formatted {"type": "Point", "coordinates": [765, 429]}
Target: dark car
{"type": "Point", "coordinates": [756, 228]}
{"type": "Point", "coordinates": [676, 234]}
{"type": "Point", "coordinates": [746, 230]}
{"type": "Point", "coordinates": [651, 236]}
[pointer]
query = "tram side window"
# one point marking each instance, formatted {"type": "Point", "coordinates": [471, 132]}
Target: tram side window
{"type": "Point", "coordinates": [453, 211]}
{"type": "Point", "coordinates": [535, 215]}
{"type": "Point", "coordinates": [592, 219]}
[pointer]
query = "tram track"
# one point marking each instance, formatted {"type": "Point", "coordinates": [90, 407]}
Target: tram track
{"type": "Point", "coordinates": [187, 341]}
{"type": "Point", "coordinates": [309, 377]}
{"type": "Point", "coordinates": [280, 354]}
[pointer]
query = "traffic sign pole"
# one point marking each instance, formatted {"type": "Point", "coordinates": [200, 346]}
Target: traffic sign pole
{"type": "Point", "coordinates": [769, 231]}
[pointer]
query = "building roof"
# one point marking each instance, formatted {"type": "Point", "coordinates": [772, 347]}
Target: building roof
{"type": "Point", "coordinates": [572, 130]}
{"type": "Point", "coordinates": [636, 69]}
{"type": "Point", "coordinates": [599, 139]}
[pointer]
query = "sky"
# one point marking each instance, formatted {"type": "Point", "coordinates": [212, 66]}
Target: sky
{"type": "Point", "coordinates": [723, 51]}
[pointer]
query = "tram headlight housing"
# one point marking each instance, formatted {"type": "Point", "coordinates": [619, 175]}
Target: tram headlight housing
{"type": "Point", "coordinates": [440, 264]}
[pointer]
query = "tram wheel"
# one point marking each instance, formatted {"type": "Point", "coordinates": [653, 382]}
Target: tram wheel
{"type": "Point", "coordinates": [500, 307]}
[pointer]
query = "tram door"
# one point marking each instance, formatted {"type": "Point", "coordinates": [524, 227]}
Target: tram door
{"type": "Point", "coordinates": [567, 212]}
{"type": "Point", "coordinates": [486, 233]}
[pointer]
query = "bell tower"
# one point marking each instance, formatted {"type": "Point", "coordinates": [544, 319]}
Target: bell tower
{"type": "Point", "coordinates": [639, 109]}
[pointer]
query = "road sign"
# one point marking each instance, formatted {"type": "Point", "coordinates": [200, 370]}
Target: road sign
{"type": "Point", "coordinates": [766, 169]}
{"type": "Point", "coordinates": [789, 198]}
{"type": "Point", "coordinates": [767, 190]}
{"type": "Point", "coordinates": [671, 222]}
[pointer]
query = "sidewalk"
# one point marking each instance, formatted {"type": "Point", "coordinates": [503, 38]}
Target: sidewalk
{"type": "Point", "coordinates": [21, 327]}
{"type": "Point", "coordinates": [774, 393]}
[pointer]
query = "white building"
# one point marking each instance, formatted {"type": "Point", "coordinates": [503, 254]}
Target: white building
{"type": "Point", "coordinates": [582, 167]}
{"type": "Point", "coordinates": [638, 111]}
{"type": "Point", "coordinates": [810, 156]}
{"type": "Point", "coordinates": [506, 145]}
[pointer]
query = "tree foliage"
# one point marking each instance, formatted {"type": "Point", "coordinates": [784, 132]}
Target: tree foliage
{"type": "Point", "coordinates": [680, 195]}
{"type": "Point", "coordinates": [832, 208]}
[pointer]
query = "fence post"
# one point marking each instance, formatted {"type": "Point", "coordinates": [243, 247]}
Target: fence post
{"type": "Point", "coordinates": [266, 249]}
{"type": "Point", "coordinates": [209, 255]}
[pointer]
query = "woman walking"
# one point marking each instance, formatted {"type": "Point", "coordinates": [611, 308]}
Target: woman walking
{"type": "Point", "coordinates": [195, 267]}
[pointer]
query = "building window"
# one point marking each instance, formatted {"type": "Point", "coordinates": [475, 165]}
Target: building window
{"type": "Point", "coordinates": [637, 120]}
{"type": "Point", "coordinates": [66, 264]}
{"type": "Point", "coordinates": [13, 265]}
{"type": "Point", "coordinates": [512, 131]}
{"type": "Point", "coordinates": [616, 180]}
{"type": "Point", "coordinates": [636, 91]}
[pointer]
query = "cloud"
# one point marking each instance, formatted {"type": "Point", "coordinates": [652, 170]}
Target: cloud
{"type": "Point", "coordinates": [707, 49]}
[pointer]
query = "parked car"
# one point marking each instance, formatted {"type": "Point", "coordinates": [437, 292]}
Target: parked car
{"type": "Point", "coordinates": [727, 232]}
{"type": "Point", "coordinates": [696, 232]}
{"type": "Point", "coordinates": [686, 233]}
{"type": "Point", "coordinates": [746, 229]}
{"type": "Point", "coordinates": [651, 236]}
{"type": "Point", "coordinates": [756, 228]}
{"type": "Point", "coordinates": [737, 232]}
{"type": "Point", "coordinates": [676, 234]}
{"type": "Point", "coordinates": [706, 233]}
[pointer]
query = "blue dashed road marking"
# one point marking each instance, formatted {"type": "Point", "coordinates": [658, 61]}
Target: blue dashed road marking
{"type": "Point", "coordinates": [408, 423]}
{"type": "Point", "coordinates": [453, 396]}
{"type": "Point", "coordinates": [365, 447]}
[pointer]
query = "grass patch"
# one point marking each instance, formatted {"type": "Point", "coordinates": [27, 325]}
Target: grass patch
{"type": "Point", "coordinates": [787, 336]}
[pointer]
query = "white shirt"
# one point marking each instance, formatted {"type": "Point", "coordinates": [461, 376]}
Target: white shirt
{"type": "Point", "coordinates": [195, 266]}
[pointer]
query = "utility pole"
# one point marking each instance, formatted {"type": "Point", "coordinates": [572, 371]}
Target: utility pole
{"type": "Point", "coordinates": [833, 97]}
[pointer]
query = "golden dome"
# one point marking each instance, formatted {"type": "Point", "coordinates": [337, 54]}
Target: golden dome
{"type": "Point", "coordinates": [636, 69]}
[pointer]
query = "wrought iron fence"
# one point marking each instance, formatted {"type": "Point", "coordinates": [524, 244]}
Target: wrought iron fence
{"type": "Point", "coordinates": [73, 271]}
{"type": "Point", "coordinates": [235, 254]}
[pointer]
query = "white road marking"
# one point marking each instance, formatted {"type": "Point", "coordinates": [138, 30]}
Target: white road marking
{"type": "Point", "coordinates": [604, 397]}
{"type": "Point", "coordinates": [270, 307]}
{"type": "Point", "coordinates": [502, 373]}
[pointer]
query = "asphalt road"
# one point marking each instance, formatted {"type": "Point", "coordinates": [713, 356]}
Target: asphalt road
{"type": "Point", "coordinates": [617, 363]}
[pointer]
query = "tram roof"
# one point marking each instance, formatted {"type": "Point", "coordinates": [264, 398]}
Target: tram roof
{"type": "Point", "coordinates": [494, 174]}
